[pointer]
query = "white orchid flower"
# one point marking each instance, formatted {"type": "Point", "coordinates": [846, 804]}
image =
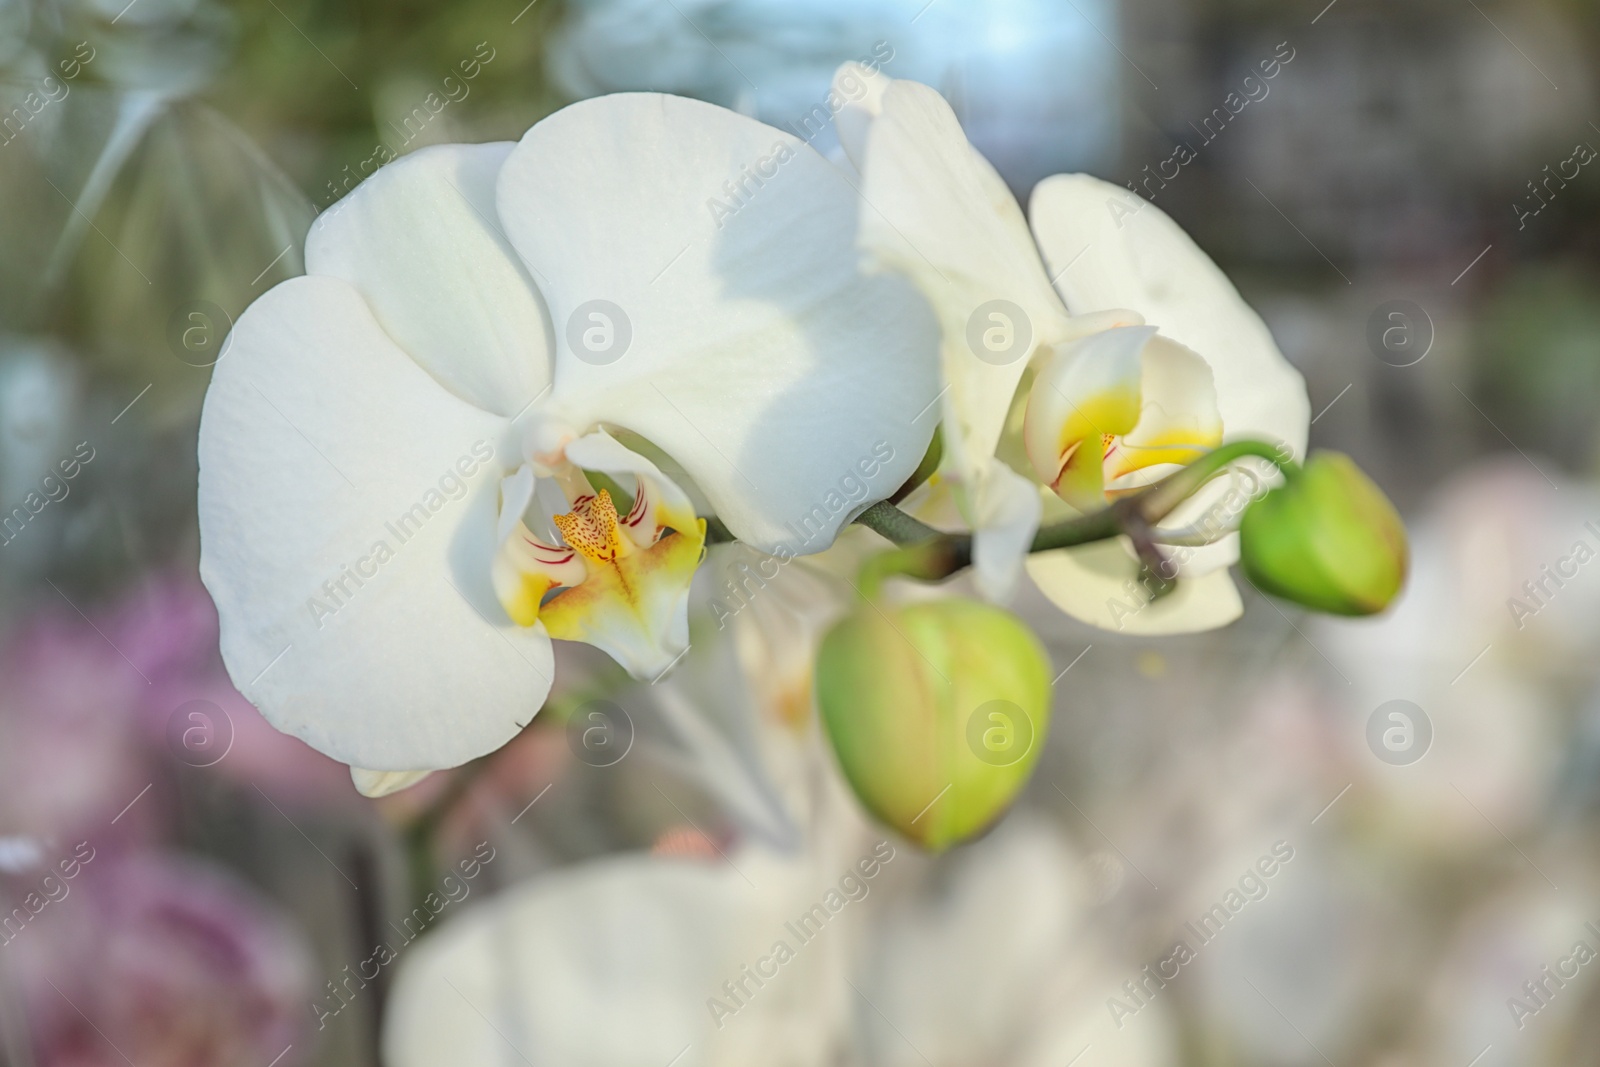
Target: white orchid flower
{"type": "Point", "coordinates": [1062, 300]}
{"type": "Point", "coordinates": [854, 951]}
{"type": "Point", "coordinates": [399, 452]}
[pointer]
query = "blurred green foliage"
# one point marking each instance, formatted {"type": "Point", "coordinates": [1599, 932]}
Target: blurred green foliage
{"type": "Point", "coordinates": [158, 187]}
{"type": "Point", "coordinates": [1536, 360]}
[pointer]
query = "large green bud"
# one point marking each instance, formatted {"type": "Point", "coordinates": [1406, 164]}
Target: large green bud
{"type": "Point", "coordinates": [937, 712]}
{"type": "Point", "coordinates": [1327, 538]}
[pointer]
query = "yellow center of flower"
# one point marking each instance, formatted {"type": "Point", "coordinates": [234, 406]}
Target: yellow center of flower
{"type": "Point", "coordinates": [618, 582]}
{"type": "Point", "coordinates": [1114, 411]}
{"type": "Point", "coordinates": [591, 529]}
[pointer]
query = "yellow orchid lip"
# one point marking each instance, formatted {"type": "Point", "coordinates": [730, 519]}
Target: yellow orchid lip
{"type": "Point", "coordinates": [1107, 409]}
{"type": "Point", "coordinates": [626, 607]}
{"type": "Point", "coordinates": [618, 582]}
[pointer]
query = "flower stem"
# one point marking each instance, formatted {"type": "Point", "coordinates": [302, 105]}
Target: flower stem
{"type": "Point", "coordinates": [895, 525]}
{"type": "Point", "coordinates": [1159, 500]}
{"type": "Point", "coordinates": [930, 555]}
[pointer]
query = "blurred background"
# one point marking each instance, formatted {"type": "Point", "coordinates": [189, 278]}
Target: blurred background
{"type": "Point", "coordinates": [1411, 201]}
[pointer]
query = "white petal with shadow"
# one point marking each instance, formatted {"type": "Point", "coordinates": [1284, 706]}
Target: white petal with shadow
{"type": "Point", "coordinates": [347, 515]}
{"type": "Point", "coordinates": [422, 242]}
{"type": "Point", "coordinates": [758, 356]}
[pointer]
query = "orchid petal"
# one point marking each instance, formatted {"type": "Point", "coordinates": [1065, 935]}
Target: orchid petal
{"type": "Point", "coordinates": [934, 210]}
{"type": "Point", "coordinates": [382, 783]}
{"type": "Point", "coordinates": [1085, 394]}
{"type": "Point", "coordinates": [347, 510]}
{"type": "Point", "coordinates": [756, 355]}
{"type": "Point", "coordinates": [1007, 517]}
{"type": "Point", "coordinates": [1097, 584]}
{"type": "Point", "coordinates": [421, 242]}
{"type": "Point", "coordinates": [1036, 939]}
{"type": "Point", "coordinates": [1108, 247]}
{"type": "Point", "coordinates": [860, 108]}
{"type": "Point", "coordinates": [1178, 417]}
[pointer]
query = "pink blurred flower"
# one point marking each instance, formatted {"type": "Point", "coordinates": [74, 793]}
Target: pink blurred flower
{"type": "Point", "coordinates": [169, 628]}
{"type": "Point", "coordinates": [164, 962]}
{"type": "Point", "coordinates": [69, 747]}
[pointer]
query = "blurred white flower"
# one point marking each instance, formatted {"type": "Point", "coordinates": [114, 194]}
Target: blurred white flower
{"type": "Point", "coordinates": [391, 444]}
{"type": "Point", "coordinates": [1492, 640]}
{"type": "Point", "coordinates": [1113, 404]}
{"type": "Point", "coordinates": [1253, 986]}
{"type": "Point", "coordinates": [637, 960]}
{"type": "Point", "coordinates": [1513, 975]}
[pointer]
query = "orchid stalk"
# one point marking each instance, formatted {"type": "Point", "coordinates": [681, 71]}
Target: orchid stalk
{"type": "Point", "coordinates": [927, 554]}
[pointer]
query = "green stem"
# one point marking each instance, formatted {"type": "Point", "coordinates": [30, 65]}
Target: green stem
{"type": "Point", "coordinates": [932, 560]}
{"type": "Point", "coordinates": [895, 525]}
{"type": "Point", "coordinates": [930, 555]}
{"type": "Point", "coordinates": [1159, 500]}
{"type": "Point", "coordinates": [1083, 530]}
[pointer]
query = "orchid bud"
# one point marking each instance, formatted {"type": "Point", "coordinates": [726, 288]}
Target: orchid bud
{"type": "Point", "coordinates": [937, 712]}
{"type": "Point", "coordinates": [1327, 538]}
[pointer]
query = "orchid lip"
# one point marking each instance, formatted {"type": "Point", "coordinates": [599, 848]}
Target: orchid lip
{"type": "Point", "coordinates": [618, 581]}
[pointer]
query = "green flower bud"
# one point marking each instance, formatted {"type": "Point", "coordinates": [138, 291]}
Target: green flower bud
{"type": "Point", "coordinates": [1327, 538]}
{"type": "Point", "coordinates": [937, 712]}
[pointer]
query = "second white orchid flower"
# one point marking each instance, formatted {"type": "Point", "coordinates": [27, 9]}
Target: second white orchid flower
{"type": "Point", "coordinates": [1051, 379]}
{"type": "Point", "coordinates": [412, 462]}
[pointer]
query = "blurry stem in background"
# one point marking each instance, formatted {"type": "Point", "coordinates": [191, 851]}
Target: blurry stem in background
{"type": "Point", "coordinates": [418, 834]}
{"type": "Point", "coordinates": [422, 866]}
{"type": "Point", "coordinates": [14, 1043]}
{"type": "Point", "coordinates": [930, 555]}
{"type": "Point", "coordinates": [370, 913]}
